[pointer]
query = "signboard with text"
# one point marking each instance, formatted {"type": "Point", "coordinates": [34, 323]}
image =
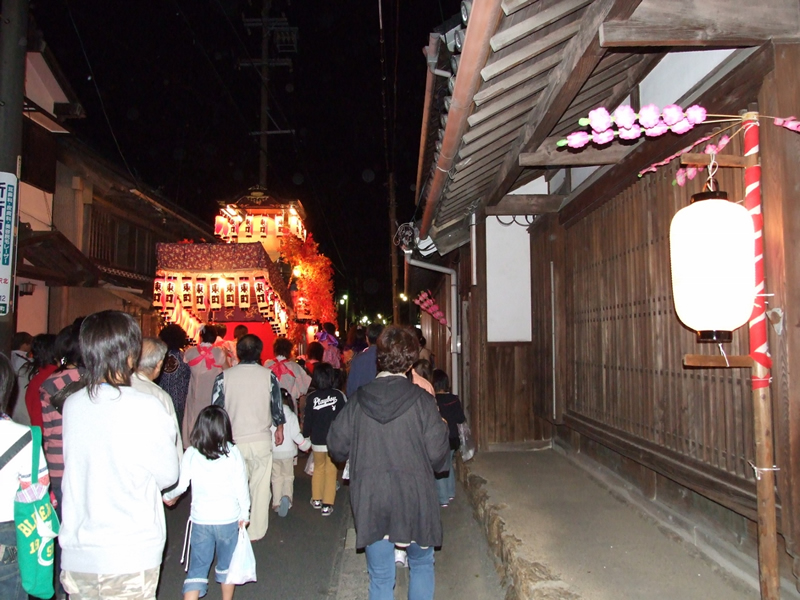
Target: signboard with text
{"type": "Point", "coordinates": [8, 211]}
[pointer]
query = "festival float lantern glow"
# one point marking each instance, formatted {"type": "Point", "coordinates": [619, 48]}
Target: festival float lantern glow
{"type": "Point", "coordinates": [713, 273]}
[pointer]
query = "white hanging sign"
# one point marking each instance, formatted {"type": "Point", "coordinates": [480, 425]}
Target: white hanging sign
{"type": "Point", "coordinates": [8, 211]}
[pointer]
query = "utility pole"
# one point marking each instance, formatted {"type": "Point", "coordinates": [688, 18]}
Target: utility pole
{"type": "Point", "coordinates": [13, 48]}
{"type": "Point", "coordinates": [392, 235]}
{"type": "Point", "coordinates": [262, 156]}
{"type": "Point", "coordinates": [285, 38]}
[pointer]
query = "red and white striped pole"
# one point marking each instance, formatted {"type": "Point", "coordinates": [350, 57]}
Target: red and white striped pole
{"type": "Point", "coordinates": [769, 574]}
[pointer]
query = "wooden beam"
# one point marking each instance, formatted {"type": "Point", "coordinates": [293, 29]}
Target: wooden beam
{"type": "Point", "coordinates": [725, 93]}
{"type": "Point", "coordinates": [526, 204]}
{"type": "Point", "coordinates": [718, 362]}
{"type": "Point", "coordinates": [512, 6]}
{"type": "Point", "coordinates": [722, 160]}
{"type": "Point", "coordinates": [581, 56]}
{"type": "Point", "coordinates": [550, 155]}
{"type": "Point", "coordinates": [680, 23]}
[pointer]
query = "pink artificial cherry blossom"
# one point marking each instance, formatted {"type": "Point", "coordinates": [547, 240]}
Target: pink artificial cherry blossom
{"type": "Point", "coordinates": [691, 172]}
{"type": "Point", "coordinates": [578, 139]}
{"type": "Point", "coordinates": [603, 137]}
{"type": "Point", "coordinates": [443, 321]}
{"type": "Point", "coordinates": [600, 120]}
{"type": "Point", "coordinates": [722, 142]}
{"type": "Point", "coordinates": [681, 126]}
{"type": "Point", "coordinates": [438, 314]}
{"type": "Point", "coordinates": [660, 128]}
{"type": "Point", "coordinates": [672, 114]}
{"type": "Point", "coordinates": [417, 301]}
{"type": "Point", "coordinates": [434, 308]}
{"type": "Point", "coordinates": [625, 118]}
{"type": "Point", "coordinates": [696, 114]}
{"type": "Point", "coordinates": [680, 177]}
{"type": "Point", "coordinates": [711, 149]}
{"type": "Point", "coordinates": [649, 116]}
{"type": "Point", "coordinates": [632, 133]}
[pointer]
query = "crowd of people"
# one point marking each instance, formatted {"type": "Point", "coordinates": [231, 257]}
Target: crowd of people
{"type": "Point", "coordinates": [130, 424]}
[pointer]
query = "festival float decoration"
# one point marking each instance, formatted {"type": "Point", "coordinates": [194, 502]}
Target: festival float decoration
{"type": "Point", "coordinates": [269, 271]}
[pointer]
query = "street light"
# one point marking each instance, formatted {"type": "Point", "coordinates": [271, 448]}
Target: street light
{"type": "Point", "coordinates": [403, 297]}
{"type": "Point", "coordinates": [345, 301]}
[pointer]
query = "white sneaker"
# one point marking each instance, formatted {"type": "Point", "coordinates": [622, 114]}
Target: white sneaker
{"type": "Point", "coordinates": [401, 557]}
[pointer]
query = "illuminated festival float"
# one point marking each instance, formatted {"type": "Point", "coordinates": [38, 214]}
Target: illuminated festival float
{"type": "Point", "coordinates": [268, 275]}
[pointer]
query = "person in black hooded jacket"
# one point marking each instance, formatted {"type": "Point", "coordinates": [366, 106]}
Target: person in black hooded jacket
{"type": "Point", "coordinates": [395, 440]}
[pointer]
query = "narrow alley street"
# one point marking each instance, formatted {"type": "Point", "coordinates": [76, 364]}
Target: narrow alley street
{"type": "Point", "coordinates": [308, 557]}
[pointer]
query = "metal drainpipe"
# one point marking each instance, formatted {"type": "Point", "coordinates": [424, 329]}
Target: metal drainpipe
{"type": "Point", "coordinates": [483, 20]}
{"type": "Point", "coordinates": [455, 339]}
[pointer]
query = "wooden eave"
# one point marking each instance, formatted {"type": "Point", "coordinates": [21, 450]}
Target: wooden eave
{"type": "Point", "coordinates": [546, 68]}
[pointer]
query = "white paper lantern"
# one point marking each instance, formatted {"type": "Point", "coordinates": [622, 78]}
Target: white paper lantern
{"type": "Point", "coordinates": [713, 266]}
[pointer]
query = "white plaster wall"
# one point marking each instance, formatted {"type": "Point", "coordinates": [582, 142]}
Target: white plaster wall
{"type": "Point", "coordinates": [537, 186]}
{"type": "Point", "coordinates": [677, 73]}
{"type": "Point", "coordinates": [508, 281]}
{"type": "Point", "coordinates": [35, 207]}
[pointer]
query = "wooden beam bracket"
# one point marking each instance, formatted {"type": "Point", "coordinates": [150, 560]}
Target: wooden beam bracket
{"type": "Point", "coordinates": [736, 162]}
{"type": "Point", "coordinates": [729, 361]}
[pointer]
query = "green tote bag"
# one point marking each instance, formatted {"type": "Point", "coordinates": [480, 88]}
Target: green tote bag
{"type": "Point", "coordinates": [37, 528]}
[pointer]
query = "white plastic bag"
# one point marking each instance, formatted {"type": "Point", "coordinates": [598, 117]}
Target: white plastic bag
{"type": "Point", "coordinates": [346, 472]}
{"type": "Point", "coordinates": [243, 561]}
{"type": "Point", "coordinates": [310, 464]}
{"type": "Point", "coordinates": [467, 442]}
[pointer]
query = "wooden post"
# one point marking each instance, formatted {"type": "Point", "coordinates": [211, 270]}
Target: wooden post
{"type": "Point", "coordinates": [769, 574]}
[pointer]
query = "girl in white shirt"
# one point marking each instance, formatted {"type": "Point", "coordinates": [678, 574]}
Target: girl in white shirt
{"type": "Point", "coordinates": [220, 500]}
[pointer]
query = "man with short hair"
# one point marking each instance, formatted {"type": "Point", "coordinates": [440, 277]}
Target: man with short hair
{"type": "Point", "coordinates": [251, 395]}
{"type": "Point", "coordinates": [150, 362]}
{"type": "Point", "coordinates": [363, 367]}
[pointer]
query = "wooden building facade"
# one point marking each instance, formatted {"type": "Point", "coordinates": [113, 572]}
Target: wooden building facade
{"type": "Point", "coordinates": [601, 371]}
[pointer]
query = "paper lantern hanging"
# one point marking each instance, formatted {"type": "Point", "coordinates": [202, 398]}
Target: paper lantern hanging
{"type": "Point", "coordinates": [158, 293]}
{"type": "Point", "coordinates": [200, 289]}
{"type": "Point", "coordinates": [248, 226]}
{"type": "Point", "coordinates": [260, 288]}
{"type": "Point", "coordinates": [215, 295]}
{"type": "Point", "coordinates": [713, 269]}
{"type": "Point", "coordinates": [186, 292]}
{"type": "Point", "coordinates": [229, 292]}
{"type": "Point", "coordinates": [244, 293]}
{"type": "Point", "coordinates": [169, 293]}
{"type": "Point", "coordinates": [262, 226]}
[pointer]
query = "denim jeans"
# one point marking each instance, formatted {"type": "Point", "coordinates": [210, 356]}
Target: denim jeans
{"type": "Point", "coordinates": [446, 485]}
{"type": "Point", "coordinates": [10, 580]}
{"type": "Point", "coordinates": [381, 567]}
{"type": "Point", "coordinates": [205, 538]}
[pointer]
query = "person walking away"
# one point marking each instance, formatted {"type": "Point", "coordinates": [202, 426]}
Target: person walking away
{"type": "Point", "coordinates": [363, 367]}
{"type": "Point", "coordinates": [251, 396]}
{"type": "Point", "coordinates": [21, 343]}
{"type": "Point", "coordinates": [119, 450]}
{"type": "Point", "coordinates": [314, 354]}
{"type": "Point", "coordinates": [150, 363]}
{"type": "Point", "coordinates": [451, 410]}
{"type": "Point", "coordinates": [322, 407]}
{"type": "Point", "coordinates": [395, 440]}
{"type": "Point", "coordinates": [230, 345]}
{"type": "Point", "coordinates": [420, 374]}
{"type": "Point", "coordinates": [42, 365]}
{"type": "Point", "coordinates": [175, 373]}
{"type": "Point", "coordinates": [220, 500]}
{"type": "Point", "coordinates": [284, 457]}
{"type": "Point", "coordinates": [291, 376]}
{"type": "Point", "coordinates": [206, 362]}
{"type": "Point", "coordinates": [16, 450]}
{"type": "Point", "coordinates": [52, 393]}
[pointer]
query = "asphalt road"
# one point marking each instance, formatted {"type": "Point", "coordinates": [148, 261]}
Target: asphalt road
{"type": "Point", "coordinates": [296, 560]}
{"type": "Point", "coordinates": [306, 556]}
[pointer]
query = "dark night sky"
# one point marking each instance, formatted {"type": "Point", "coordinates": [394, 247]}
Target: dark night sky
{"type": "Point", "coordinates": [181, 110]}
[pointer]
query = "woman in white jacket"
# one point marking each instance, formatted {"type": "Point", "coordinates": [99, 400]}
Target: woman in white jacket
{"type": "Point", "coordinates": [284, 457]}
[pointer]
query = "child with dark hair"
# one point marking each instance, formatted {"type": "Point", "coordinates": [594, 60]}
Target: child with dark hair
{"type": "Point", "coordinates": [220, 500]}
{"type": "Point", "coordinates": [284, 457]}
{"type": "Point", "coordinates": [314, 354]}
{"type": "Point", "coordinates": [451, 410]}
{"type": "Point", "coordinates": [322, 406]}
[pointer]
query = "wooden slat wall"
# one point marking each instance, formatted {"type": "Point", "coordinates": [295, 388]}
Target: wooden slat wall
{"type": "Point", "coordinates": [625, 343]}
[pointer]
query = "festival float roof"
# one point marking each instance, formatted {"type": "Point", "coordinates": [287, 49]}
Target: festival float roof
{"type": "Point", "coordinates": [250, 285]}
